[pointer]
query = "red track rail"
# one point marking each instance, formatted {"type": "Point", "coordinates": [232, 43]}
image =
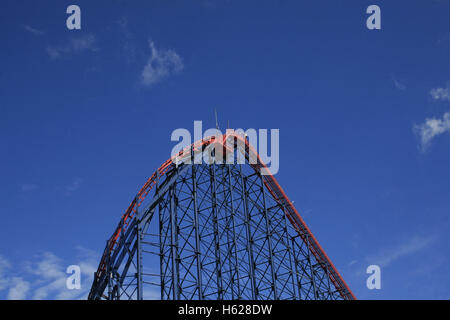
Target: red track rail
{"type": "Point", "coordinates": [269, 181]}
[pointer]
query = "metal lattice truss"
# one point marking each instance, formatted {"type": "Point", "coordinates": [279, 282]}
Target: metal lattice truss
{"type": "Point", "coordinates": [214, 231]}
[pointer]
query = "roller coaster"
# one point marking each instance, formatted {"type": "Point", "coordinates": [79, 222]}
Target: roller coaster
{"type": "Point", "coordinates": [216, 231]}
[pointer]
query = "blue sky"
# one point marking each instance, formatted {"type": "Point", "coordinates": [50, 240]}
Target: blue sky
{"type": "Point", "coordinates": [364, 119]}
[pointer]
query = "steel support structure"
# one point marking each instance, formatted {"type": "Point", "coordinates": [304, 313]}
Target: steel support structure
{"type": "Point", "coordinates": [214, 231]}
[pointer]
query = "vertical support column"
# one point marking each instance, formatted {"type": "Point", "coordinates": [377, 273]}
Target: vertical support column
{"type": "Point", "coordinates": [269, 239]}
{"type": "Point", "coordinates": [161, 242]}
{"type": "Point", "coordinates": [109, 271]}
{"type": "Point", "coordinates": [139, 257]}
{"type": "Point", "coordinates": [313, 272]}
{"type": "Point", "coordinates": [229, 244]}
{"type": "Point", "coordinates": [328, 284]}
{"type": "Point", "coordinates": [251, 261]}
{"type": "Point", "coordinates": [299, 284]}
{"type": "Point", "coordinates": [233, 224]}
{"type": "Point", "coordinates": [290, 253]}
{"type": "Point", "coordinates": [212, 172]}
{"type": "Point", "coordinates": [173, 245]}
{"type": "Point", "coordinates": [196, 230]}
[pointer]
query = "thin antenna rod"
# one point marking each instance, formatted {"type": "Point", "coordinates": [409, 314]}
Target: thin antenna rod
{"type": "Point", "coordinates": [217, 122]}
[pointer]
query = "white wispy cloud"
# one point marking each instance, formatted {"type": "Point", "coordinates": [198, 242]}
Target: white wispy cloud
{"type": "Point", "coordinates": [74, 46]}
{"type": "Point", "coordinates": [47, 267]}
{"type": "Point", "coordinates": [44, 277]}
{"type": "Point", "coordinates": [351, 263]}
{"type": "Point", "coordinates": [73, 186]}
{"type": "Point", "coordinates": [28, 187]}
{"type": "Point", "coordinates": [399, 85]}
{"type": "Point", "coordinates": [160, 65]}
{"type": "Point", "coordinates": [410, 246]}
{"type": "Point", "coordinates": [19, 289]}
{"type": "Point", "coordinates": [5, 265]}
{"type": "Point", "coordinates": [16, 286]}
{"type": "Point", "coordinates": [127, 40]}
{"type": "Point", "coordinates": [441, 93]}
{"type": "Point", "coordinates": [431, 128]}
{"type": "Point", "coordinates": [49, 276]}
{"type": "Point", "coordinates": [34, 31]}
